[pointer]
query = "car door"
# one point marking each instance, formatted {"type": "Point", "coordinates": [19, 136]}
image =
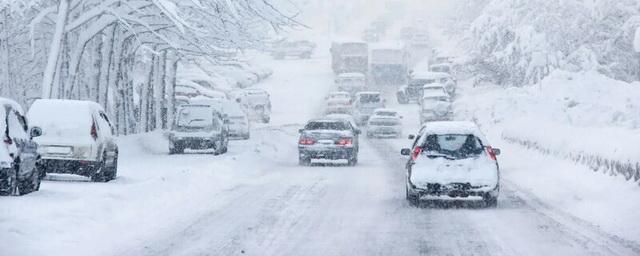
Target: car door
{"type": "Point", "coordinates": [26, 148]}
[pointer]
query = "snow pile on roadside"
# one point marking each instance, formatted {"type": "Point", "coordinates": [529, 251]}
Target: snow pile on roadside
{"type": "Point", "coordinates": [568, 113]}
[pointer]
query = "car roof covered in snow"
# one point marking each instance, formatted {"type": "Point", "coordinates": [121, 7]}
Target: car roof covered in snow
{"type": "Point", "coordinates": [432, 94]}
{"type": "Point", "coordinates": [385, 110]}
{"type": "Point", "coordinates": [351, 75]}
{"type": "Point", "coordinates": [51, 104]}
{"type": "Point", "coordinates": [433, 85]}
{"type": "Point", "coordinates": [453, 127]}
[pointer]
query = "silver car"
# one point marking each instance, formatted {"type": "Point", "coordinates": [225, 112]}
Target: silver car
{"type": "Point", "coordinates": [198, 127]}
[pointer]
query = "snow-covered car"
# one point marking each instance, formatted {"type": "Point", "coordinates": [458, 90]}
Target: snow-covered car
{"type": "Point", "coordinates": [237, 121]}
{"type": "Point", "coordinates": [198, 126]}
{"type": "Point", "coordinates": [440, 68]}
{"type": "Point", "coordinates": [351, 82]}
{"type": "Point", "coordinates": [329, 139]}
{"type": "Point", "coordinates": [300, 49]}
{"type": "Point", "coordinates": [338, 106]}
{"type": "Point", "coordinates": [19, 172]}
{"type": "Point", "coordinates": [384, 126]}
{"type": "Point", "coordinates": [386, 113]}
{"type": "Point", "coordinates": [364, 104]}
{"type": "Point", "coordinates": [256, 103]}
{"type": "Point", "coordinates": [77, 138]}
{"type": "Point", "coordinates": [435, 106]}
{"type": "Point", "coordinates": [338, 95]}
{"type": "Point", "coordinates": [413, 91]}
{"type": "Point", "coordinates": [452, 160]}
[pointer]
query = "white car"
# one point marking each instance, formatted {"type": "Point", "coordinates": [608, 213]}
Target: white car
{"type": "Point", "coordinates": [450, 161]}
{"type": "Point", "coordinates": [338, 106]}
{"type": "Point", "coordinates": [351, 82]}
{"type": "Point", "coordinates": [77, 138]}
{"type": "Point", "coordinates": [435, 106]}
{"type": "Point", "coordinates": [381, 126]}
{"type": "Point", "coordinates": [255, 102]}
{"type": "Point", "coordinates": [364, 104]}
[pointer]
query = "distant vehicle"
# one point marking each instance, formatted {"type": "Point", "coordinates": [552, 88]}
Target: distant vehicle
{"type": "Point", "coordinates": [192, 89]}
{"type": "Point", "coordinates": [77, 138]}
{"type": "Point", "coordinates": [364, 104]}
{"type": "Point", "coordinates": [435, 106]}
{"type": "Point", "coordinates": [338, 95]}
{"type": "Point", "coordinates": [349, 57]}
{"type": "Point", "coordinates": [198, 126]}
{"type": "Point", "coordinates": [351, 82]}
{"type": "Point", "coordinates": [384, 126]}
{"type": "Point", "coordinates": [236, 121]}
{"type": "Point", "coordinates": [19, 168]}
{"type": "Point", "coordinates": [257, 104]}
{"type": "Point", "coordinates": [441, 68]}
{"type": "Point", "coordinates": [386, 113]}
{"type": "Point", "coordinates": [328, 139]}
{"type": "Point", "coordinates": [300, 49]}
{"type": "Point", "coordinates": [412, 92]}
{"type": "Point", "coordinates": [452, 160]}
{"type": "Point", "coordinates": [434, 87]}
{"type": "Point", "coordinates": [389, 66]}
{"type": "Point", "coordinates": [338, 106]}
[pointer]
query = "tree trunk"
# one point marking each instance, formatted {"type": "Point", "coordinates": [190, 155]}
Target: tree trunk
{"type": "Point", "coordinates": [171, 88]}
{"type": "Point", "coordinates": [159, 90]}
{"type": "Point", "coordinates": [55, 48]}
{"type": "Point", "coordinates": [6, 89]}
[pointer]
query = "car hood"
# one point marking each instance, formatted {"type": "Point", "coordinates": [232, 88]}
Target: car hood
{"type": "Point", "coordinates": [478, 171]}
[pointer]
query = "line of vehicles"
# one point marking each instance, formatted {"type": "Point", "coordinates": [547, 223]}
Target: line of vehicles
{"type": "Point", "coordinates": [77, 137]}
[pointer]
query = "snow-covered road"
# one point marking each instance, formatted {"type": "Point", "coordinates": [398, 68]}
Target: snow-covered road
{"type": "Point", "coordinates": [256, 200]}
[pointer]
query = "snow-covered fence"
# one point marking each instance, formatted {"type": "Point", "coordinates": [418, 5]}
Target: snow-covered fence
{"type": "Point", "coordinates": [630, 170]}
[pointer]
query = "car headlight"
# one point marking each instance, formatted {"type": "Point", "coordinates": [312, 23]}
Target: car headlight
{"type": "Point", "coordinates": [82, 151]}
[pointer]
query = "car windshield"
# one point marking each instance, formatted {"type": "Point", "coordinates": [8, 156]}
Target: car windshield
{"type": "Point", "coordinates": [452, 145]}
{"type": "Point", "coordinates": [370, 98]}
{"type": "Point", "coordinates": [386, 113]}
{"type": "Point", "coordinates": [333, 125]}
{"type": "Point", "coordinates": [200, 117]}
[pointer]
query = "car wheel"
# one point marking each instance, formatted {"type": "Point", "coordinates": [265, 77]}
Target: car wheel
{"type": "Point", "coordinates": [304, 161]}
{"type": "Point", "coordinates": [411, 198]}
{"type": "Point", "coordinates": [99, 172]}
{"type": "Point", "coordinates": [266, 120]}
{"type": "Point", "coordinates": [9, 186]}
{"type": "Point", "coordinates": [112, 172]}
{"type": "Point", "coordinates": [352, 161]}
{"type": "Point", "coordinates": [176, 149]}
{"type": "Point", "coordinates": [490, 201]}
{"type": "Point", "coordinates": [29, 185]}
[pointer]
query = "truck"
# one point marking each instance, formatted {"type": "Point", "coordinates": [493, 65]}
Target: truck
{"type": "Point", "coordinates": [350, 57]}
{"type": "Point", "coordinates": [389, 66]}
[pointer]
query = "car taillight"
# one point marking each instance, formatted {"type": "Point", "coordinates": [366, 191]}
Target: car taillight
{"type": "Point", "coordinates": [94, 131]}
{"type": "Point", "coordinates": [491, 153]}
{"type": "Point", "coordinates": [306, 141]}
{"type": "Point", "coordinates": [344, 142]}
{"type": "Point", "coordinates": [416, 153]}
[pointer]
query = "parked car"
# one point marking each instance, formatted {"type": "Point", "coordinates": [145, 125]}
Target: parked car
{"type": "Point", "coordinates": [256, 103]}
{"type": "Point", "coordinates": [412, 92]}
{"type": "Point", "coordinates": [328, 139]}
{"type": "Point", "coordinates": [237, 121]}
{"type": "Point", "coordinates": [338, 95]}
{"type": "Point", "coordinates": [435, 106]}
{"type": "Point", "coordinates": [300, 49]}
{"type": "Point", "coordinates": [198, 126]}
{"type": "Point", "coordinates": [351, 82]}
{"type": "Point", "coordinates": [384, 126]}
{"type": "Point", "coordinates": [364, 104]}
{"type": "Point", "coordinates": [19, 167]}
{"type": "Point", "coordinates": [77, 138]}
{"type": "Point", "coordinates": [452, 160]}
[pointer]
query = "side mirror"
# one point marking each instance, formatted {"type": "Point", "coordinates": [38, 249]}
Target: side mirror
{"type": "Point", "coordinates": [301, 131]}
{"type": "Point", "coordinates": [412, 137]}
{"type": "Point", "coordinates": [497, 151]}
{"type": "Point", "coordinates": [358, 131]}
{"type": "Point", "coordinates": [405, 152]}
{"type": "Point", "coordinates": [35, 132]}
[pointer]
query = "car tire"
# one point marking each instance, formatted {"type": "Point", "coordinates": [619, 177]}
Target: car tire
{"type": "Point", "coordinates": [10, 186]}
{"type": "Point", "coordinates": [29, 185]}
{"type": "Point", "coordinates": [490, 201]}
{"type": "Point", "coordinates": [98, 174]}
{"type": "Point", "coordinates": [112, 172]}
{"type": "Point", "coordinates": [411, 198]}
{"type": "Point", "coordinates": [304, 161]}
{"type": "Point", "coordinates": [352, 161]}
{"type": "Point", "coordinates": [176, 149]}
{"type": "Point", "coordinates": [266, 120]}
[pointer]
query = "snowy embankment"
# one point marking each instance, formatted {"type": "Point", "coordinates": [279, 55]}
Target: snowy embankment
{"type": "Point", "coordinates": [154, 193]}
{"type": "Point", "coordinates": [584, 117]}
{"type": "Point", "coordinates": [553, 135]}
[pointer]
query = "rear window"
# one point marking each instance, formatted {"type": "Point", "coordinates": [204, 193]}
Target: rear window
{"type": "Point", "coordinates": [195, 117]}
{"type": "Point", "coordinates": [385, 113]}
{"type": "Point", "coordinates": [456, 146]}
{"type": "Point", "coordinates": [60, 117]}
{"type": "Point", "coordinates": [384, 122]}
{"type": "Point", "coordinates": [370, 98]}
{"type": "Point", "coordinates": [340, 126]}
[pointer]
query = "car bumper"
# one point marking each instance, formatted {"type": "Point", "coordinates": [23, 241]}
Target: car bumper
{"type": "Point", "coordinates": [79, 167]}
{"type": "Point", "coordinates": [327, 153]}
{"type": "Point", "coordinates": [455, 190]}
